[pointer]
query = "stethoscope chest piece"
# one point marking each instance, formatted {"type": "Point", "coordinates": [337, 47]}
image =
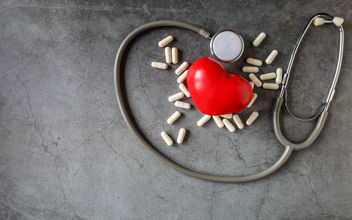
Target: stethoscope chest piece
{"type": "Point", "coordinates": [226, 46]}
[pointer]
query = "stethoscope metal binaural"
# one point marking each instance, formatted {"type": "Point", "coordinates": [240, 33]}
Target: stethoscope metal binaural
{"type": "Point", "coordinates": [227, 46]}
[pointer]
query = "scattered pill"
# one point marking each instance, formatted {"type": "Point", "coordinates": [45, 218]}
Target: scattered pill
{"type": "Point", "coordinates": [278, 79]}
{"type": "Point", "coordinates": [254, 61]}
{"type": "Point", "coordinates": [173, 117]}
{"type": "Point", "coordinates": [272, 86]}
{"type": "Point", "coordinates": [182, 77]}
{"type": "Point", "coordinates": [259, 39]}
{"type": "Point", "coordinates": [176, 96]}
{"type": "Point", "coordinates": [168, 54]}
{"type": "Point", "coordinates": [184, 105]}
{"type": "Point", "coordinates": [166, 41]}
{"type": "Point", "coordinates": [318, 21]}
{"type": "Point", "coordinates": [166, 138]}
{"type": "Point", "coordinates": [218, 121]}
{"type": "Point", "coordinates": [228, 125]}
{"type": "Point", "coordinates": [228, 116]}
{"type": "Point", "coordinates": [182, 68]}
{"type": "Point", "coordinates": [268, 76]}
{"type": "Point", "coordinates": [254, 97]}
{"type": "Point", "coordinates": [252, 118]}
{"type": "Point", "coordinates": [174, 55]}
{"type": "Point", "coordinates": [181, 135]}
{"type": "Point", "coordinates": [250, 69]}
{"type": "Point", "coordinates": [271, 56]}
{"type": "Point", "coordinates": [159, 65]}
{"type": "Point", "coordinates": [184, 90]}
{"type": "Point", "coordinates": [238, 121]}
{"type": "Point", "coordinates": [203, 120]}
{"type": "Point", "coordinates": [338, 21]}
{"type": "Point", "coordinates": [252, 84]}
{"type": "Point", "coordinates": [255, 80]}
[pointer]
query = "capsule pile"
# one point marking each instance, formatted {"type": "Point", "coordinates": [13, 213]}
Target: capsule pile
{"type": "Point", "coordinates": [228, 121]}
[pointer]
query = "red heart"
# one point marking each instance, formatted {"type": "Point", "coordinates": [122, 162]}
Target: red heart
{"type": "Point", "coordinates": [216, 92]}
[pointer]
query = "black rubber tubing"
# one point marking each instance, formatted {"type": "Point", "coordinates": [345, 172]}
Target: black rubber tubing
{"type": "Point", "coordinates": [122, 102]}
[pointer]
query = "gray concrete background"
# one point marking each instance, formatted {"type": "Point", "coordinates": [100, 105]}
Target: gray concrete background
{"type": "Point", "coordinates": [66, 153]}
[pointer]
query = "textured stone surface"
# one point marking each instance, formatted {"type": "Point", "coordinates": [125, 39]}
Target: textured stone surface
{"type": "Point", "coordinates": [66, 153]}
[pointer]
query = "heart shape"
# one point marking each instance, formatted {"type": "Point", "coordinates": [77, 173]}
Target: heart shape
{"type": "Point", "coordinates": [216, 92]}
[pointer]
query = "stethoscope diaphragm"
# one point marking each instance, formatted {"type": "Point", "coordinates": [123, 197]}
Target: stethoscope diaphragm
{"type": "Point", "coordinates": [226, 46]}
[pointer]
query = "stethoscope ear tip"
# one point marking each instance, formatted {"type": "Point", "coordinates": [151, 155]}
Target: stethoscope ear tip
{"type": "Point", "coordinates": [338, 21]}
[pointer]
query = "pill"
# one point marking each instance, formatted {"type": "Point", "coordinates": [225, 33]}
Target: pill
{"type": "Point", "coordinates": [168, 54]}
{"type": "Point", "coordinates": [166, 41]}
{"type": "Point", "coordinates": [184, 90]}
{"type": "Point", "coordinates": [278, 79]}
{"type": "Point", "coordinates": [218, 121]}
{"type": "Point", "coordinates": [174, 55]}
{"type": "Point", "coordinates": [174, 117]}
{"type": "Point", "coordinates": [159, 65]}
{"type": "Point", "coordinates": [318, 21]}
{"type": "Point", "coordinates": [259, 39]}
{"type": "Point", "coordinates": [338, 21]}
{"type": "Point", "coordinates": [252, 84]}
{"type": "Point", "coordinates": [271, 56]}
{"type": "Point", "coordinates": [252, 118]}
{"type": "Point", "coordinates": [228, 125]}
{"type": "Point", "coordinates": [203, 120]}
{"type": "Point", "coordinates": [182, 77]}
{"type": "Point", "coordinates": [182, 68]}
{"type": "Point", "coordinates": [254, 61]}
{"type": "Point", "coordinates": [254, 97]}
{"type": "Point", "coordinates": [268, 76]}
{"type": "Point", "coordinates": [181, 135]}
{"type": "Point", "coordinates": [176, 96]}
{"type": "Point", "coordinates": [250, 69]}
{"type": "Point", "coordinates": [166, 138]}
{"type": "Point", "coordinates": [272, 86]}
{"type": "Point", "coordinates": [255, 80]}
{"type": "Point", "coordinates": [184, 105]}
{"type": "Point", "coordinates": [238, 121]}
{"type": "Point", "coordinates": [228, 116]}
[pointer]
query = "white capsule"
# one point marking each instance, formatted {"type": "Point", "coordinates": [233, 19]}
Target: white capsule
{"type": "Point", "coordinates": [176, 115]}
{"type": "Point", "coordinates": [252, 84]}
{"type": "Point", "coordinates": [268, 76]}
{"type": "Point", "coordinates": [168, 54]}
{"type": "Point", "coordinates": [218, 121]}
{"type": "Point", "coordinates": [318, 21]}
{"type": "Point", "coordinates": [182, 68]}
{"type": "Point", "coordinates": [182, 77]}
{"type": "Point", "coordinates": [159, 65]}
{"type": "Point", "coordinates": [254, 97]}
{"type": "Point", "coordinates": [255, 79]}
{"type": "Point", "coordinates": [166, 138]}
{"type": "Point", "coordinates": [238, 121]}
{"type": "Point", "coordinates": [338, 21]}
{"type": "Point", "coordinates": [176, 96]}
{"type": "Point", "coordinates": [184, 90]}
{"type": "Point", "coordinates": [228, 116]}
{"type": "Point", "coordinates": [174, 55]}
{"type": "Point", "coordinates": [272, 86]}
{"type": "Point", "coordinates": [203, 120]}
{"type": "Point", "coordinates": [259, 39]}
{"type": "Point", "coordinates": [166, 41]}
{"type": "Point", "coordinates": [254, 62]}
{"type": "Point", "coordinates": [278, 79]}
{"type": "Point", "coordinates": [250, 69]}
{"type": "Point", "coordinates": [271, 57]}
{"type": "Point", "coordinates": [228, 125]}
{"type": "Point", "coordinates": [252, 118]}
{"type": "Point", "coordinates": [181, 135]}
{"type": "Point", "coordinates": [184, 105]}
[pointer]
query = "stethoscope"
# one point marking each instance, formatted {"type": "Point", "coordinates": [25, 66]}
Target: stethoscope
{"type": "Point", "coordinates": [227, 46]}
